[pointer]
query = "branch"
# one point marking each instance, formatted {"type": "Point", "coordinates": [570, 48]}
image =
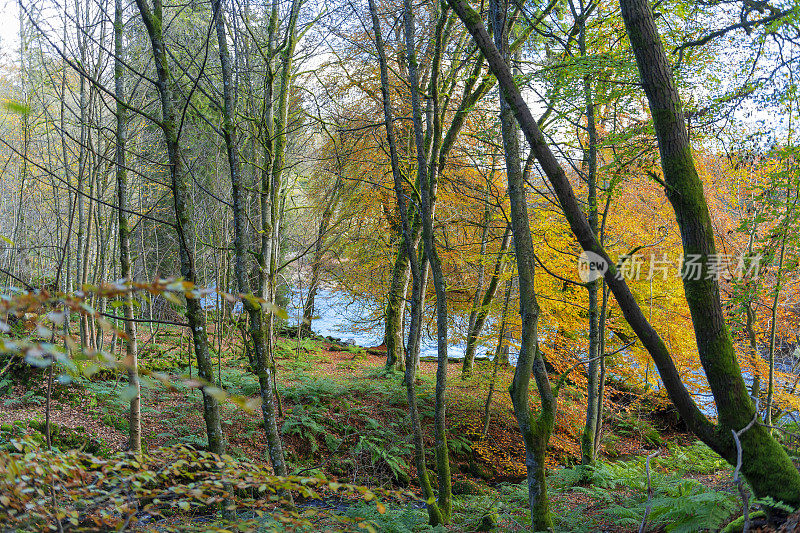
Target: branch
{"type": "Point", "coordinates": [9, 274]}
{"type": "Point", "coordinates": [744, 25]}
{"type": "Point", "coordinates": [737, 478]}
{"type": "Point", "coordinates": [563, 378]}
{"type": "Point", "coordinates": [145, 320]}
{"type": "Point", "coordinates": [649, 492]}
{"type": "Point", "coordinates": [80, 70]}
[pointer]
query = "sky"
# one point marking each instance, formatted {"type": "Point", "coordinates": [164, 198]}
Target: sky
{"type": "Point", "coordinates": [9, 28]}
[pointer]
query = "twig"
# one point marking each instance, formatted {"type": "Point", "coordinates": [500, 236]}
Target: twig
{"type": "Point", "coordinates": [737, 478]}
{"type": "Point", "coordinates": [15, 278]}
{"type": "Point", "coordinates": [11, 359]}
{"type": "Point", "coordinates": [145, 320]}
{"type": "Point", "coordinates": [649, 506]}
{"type": "Point", "coordinates": [563, 378]}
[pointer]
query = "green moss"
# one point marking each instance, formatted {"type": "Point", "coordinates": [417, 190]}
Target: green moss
{"type": "Point", "coordinates": [737, 525]}
{"type": "Point", "coordinates": [488, 522]}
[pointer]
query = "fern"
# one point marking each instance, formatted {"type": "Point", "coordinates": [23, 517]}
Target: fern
{"type": "Point", "coordinates": [383, 451]}
{"type": "Point", "coordinates": [695, 459]}
{"type": "Point", "coordinates": [410, 519]}
{"type": "Point", "coordinates": [679, 505]}
{"type": "Point", "coordinates": [316, 391]}
{"type": "Point", "coordinates": [304, 423]}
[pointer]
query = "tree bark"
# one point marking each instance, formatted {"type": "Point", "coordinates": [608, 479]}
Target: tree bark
{"type": "Point", "coordinates": [395, 308]}
{"type": "Point", "coordinates": [254, 309]}
{"type": "Point", "coordinates": [131, 353]}
{"type": "Point", "coordinates": [194, 312]}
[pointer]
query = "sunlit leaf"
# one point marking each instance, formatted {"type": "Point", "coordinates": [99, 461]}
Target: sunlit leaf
{"type": "Point", "coordinates": [19, 108]}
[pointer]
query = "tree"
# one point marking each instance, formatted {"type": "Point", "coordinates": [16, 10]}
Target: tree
{"type": "Point", "coordinates": [131, 356]}
{"type": "Point", "coordinates": [765, 464]}
{"type": "Point", "coordinates": [536, 430]}
{"type": "Point", "coordinates": [427, 180]}
{"type": "Point", "coordinates": [257, 334]}
{"type": "Point", "coordinates": [761, 453]}
{"type": "Point", "coordinates": [153, 20]}
{"type": "Point", "coordinates": [437, 512]}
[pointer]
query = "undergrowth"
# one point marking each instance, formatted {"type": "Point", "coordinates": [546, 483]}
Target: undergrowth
{"type": "Point", "coordinates": [679, 504]}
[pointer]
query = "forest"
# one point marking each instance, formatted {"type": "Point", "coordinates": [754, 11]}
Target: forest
{"type": "Point", "coordinates": [377, 265]}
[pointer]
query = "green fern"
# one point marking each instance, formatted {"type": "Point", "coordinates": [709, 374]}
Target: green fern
{"type": "Point", "coordinates": [304, 423]}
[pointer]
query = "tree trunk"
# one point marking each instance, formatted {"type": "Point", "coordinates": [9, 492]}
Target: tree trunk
{"type": "Point", "coordinates": [426, 177]}
{"type": "Point", "coordinates": [775, 296]}
{"type": "Point", "coordinates": [183, 226]}
{"type": "Point", "coordinates": [395, 308]}
{"type": "Point", "coordinates": [415, 326]}
{"type": "Point", "coordinates": [469, 353]}
{"type": "Point", "coordinates": [483, 312]}
{"type": "Point", "coordinates": [254, 310]}
{"type": "Point", "coordinates": [331, 201]}
{"type": "Point", "coordinates": [589, 171]}
{"type": "Point", "coordinates": [501, 345]}
{"type": "Point", "coordinates": [131, 353]}
{"type": "Point", "coordinates": [765, 463]}
{"type": "Point", "coordinates": [536, 430]}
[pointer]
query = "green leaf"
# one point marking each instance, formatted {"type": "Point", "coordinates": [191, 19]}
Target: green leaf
{"type": "Point", "coordinates": [128, 393]}
{"type": "Point", "coordinates": [276, 310]}
{"type": "Point", "coordinates": [17, 107]}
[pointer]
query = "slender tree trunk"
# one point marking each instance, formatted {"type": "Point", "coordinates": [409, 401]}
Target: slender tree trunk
{"type": "Point", "coordinates": [395, 309]}
{"type": "Point", "coordinates": [331, 202]}
{"type": "Point", "coordinates": [483, 311]}
{"type": "Point", "coordinates": [749, 328]}
{"type": "Point", "coordinates": [272, 189]}
{"type": "Point", "coordinates": [469, 353]}
{"type": "Point", "coordinates": [183, 226]}
{"type": "Point", "coordinates": [535, 430]}
{"type": "Point", "coordinates": [131, 353]}
{"type": "Point", "coordinates": [254, 310]}
{"type": "Point", "coordinates": [309, 305]}
{"type": "Point", "coordinates": [588, 444]}
{"type": "Point", "coordinates": [426, 177]}
{"type": "Point", "coordinates": [774, 319]}
{"type": "Point", "coordinates": [412, 350]}
{"type": "Point", "coordinates": [501, 344]}
{"type": "Point", "coordinates": [601, 379]}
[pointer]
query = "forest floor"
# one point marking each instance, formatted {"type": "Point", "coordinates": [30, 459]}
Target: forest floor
{"type": "Point", "coordinates": [345, 418]}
